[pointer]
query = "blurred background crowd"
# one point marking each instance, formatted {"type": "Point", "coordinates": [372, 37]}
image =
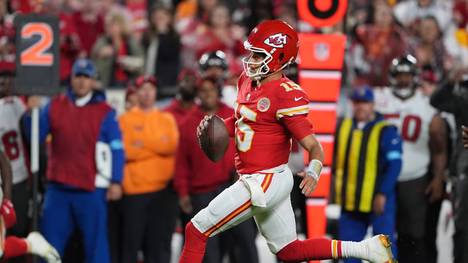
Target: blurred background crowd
{"type": "Point", "coordinates": [174, 61]}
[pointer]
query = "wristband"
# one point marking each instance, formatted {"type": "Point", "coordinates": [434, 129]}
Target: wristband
{"type": "Point", "coordinates": [314, 169]}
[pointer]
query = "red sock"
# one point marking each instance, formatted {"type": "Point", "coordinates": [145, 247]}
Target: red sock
{"type": "Point", "coordinates": [194, 247]}
{"type": "Point", "coordinates": [15, 246]}
{"type": "Point", "coordinates": [310, 249]}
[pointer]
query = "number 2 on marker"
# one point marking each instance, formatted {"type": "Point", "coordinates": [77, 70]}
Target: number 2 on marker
{"type": "Point", "coordinates": [36, 55]}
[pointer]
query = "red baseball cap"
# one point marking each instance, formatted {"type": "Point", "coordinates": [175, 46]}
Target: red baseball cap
{"type": "Point", "coordinates": [144, 79]}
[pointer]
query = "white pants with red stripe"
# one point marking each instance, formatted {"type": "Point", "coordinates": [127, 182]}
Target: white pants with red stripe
{"type": "Point", "coordinates": [234, 205]}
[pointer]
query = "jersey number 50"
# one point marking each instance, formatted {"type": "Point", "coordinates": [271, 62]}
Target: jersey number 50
{"type": "Point", "coordinates": [410, 126]}
{"type": "Point", "coordinates": [244, 133]}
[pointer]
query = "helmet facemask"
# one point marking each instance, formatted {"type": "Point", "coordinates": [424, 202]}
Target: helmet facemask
{"type": "Point", "coordinates": [256, 70]}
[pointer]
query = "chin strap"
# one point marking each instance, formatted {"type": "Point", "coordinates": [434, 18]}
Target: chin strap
{"type": "Point", "coordinates": [259, 78]}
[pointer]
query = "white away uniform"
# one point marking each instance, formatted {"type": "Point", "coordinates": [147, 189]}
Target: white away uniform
{"type": "Point", "coordinates": [413, 117]}
{"type": "Point", "coordinates": [11, 143]}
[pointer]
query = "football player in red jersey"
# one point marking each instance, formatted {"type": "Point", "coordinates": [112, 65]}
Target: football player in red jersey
{"type": "Point", "coordinates": [270, 110]}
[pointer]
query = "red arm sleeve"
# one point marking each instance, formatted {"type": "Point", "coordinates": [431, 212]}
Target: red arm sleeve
{"type": "Point", "coordinates": [229, 122]}
{"type": "Point", "coordinates": [299, 126]}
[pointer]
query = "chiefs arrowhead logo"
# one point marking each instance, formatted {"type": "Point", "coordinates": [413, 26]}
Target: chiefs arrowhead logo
{"type": "Point", "coordinates": [276, 40]}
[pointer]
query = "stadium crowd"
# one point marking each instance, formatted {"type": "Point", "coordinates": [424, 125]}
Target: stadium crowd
{"type": "Point", "coordinates": [117, 187]}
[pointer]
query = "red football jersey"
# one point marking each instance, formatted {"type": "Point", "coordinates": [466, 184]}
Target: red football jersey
{"type": "Point", "coordinates": [262, 139]}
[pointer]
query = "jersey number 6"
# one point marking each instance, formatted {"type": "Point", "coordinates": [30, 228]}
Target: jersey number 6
{"type": "Point", "coordinates": [244, 133]}
{"type": "Point", "coordinates": [10, 145]}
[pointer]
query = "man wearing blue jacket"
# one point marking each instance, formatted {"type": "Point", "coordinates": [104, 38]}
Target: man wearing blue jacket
{"type": "Point", "coordinates": [85, 165]}
{"type": "Point", "coordinates": [366, 167]}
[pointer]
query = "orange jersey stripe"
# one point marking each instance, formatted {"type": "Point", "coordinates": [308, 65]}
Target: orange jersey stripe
{"type": "Point", "coordinates": [266, 182]}
{"type": "Point", "coordinates": [233, 214]}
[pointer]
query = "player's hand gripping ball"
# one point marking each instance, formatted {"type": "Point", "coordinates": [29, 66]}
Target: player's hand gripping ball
{"type": "Point", "coordinates": [213, 137]}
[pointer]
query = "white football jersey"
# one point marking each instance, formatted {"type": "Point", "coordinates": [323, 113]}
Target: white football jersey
{"type": "Point", "coordinates": [413, 117]}
{"type": "Point", "coordinates": [11, 143]}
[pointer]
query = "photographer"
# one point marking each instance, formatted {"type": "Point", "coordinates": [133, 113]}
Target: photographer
{"type": "Point", "coordinates": [452, 97]}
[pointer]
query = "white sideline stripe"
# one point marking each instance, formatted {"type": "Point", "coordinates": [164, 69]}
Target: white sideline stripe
{"type": "Point", "coordinates": [325, 138]}
{"type": "Point", "coordinates": [317, 201]}
{"type": "Point", "coordinates": [326, 106]}
{"type": "Point", "coordinates": [326, 169]}
{"type": "Point", "coordinates": [320, 74]}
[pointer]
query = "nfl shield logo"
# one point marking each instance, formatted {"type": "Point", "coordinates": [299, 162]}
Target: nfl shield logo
{"type": "Point", "coordinates": [321, 51]}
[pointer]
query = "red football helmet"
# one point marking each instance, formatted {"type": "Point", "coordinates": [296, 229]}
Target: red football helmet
{"type": "Point", "coordinates": [274, 39]}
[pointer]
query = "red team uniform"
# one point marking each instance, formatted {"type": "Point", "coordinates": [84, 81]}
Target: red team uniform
{"type": "Point", "coordinates": [264, 123]}
{"type": "Point", "coordinates": [267, 116]}
{"type": "Point", "coordinates": [265, 119]}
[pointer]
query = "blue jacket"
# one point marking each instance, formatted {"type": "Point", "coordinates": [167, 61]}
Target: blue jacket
{"type": "Point", "coordinates": [81, 137]}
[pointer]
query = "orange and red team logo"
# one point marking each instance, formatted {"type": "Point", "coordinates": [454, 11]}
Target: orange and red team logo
{"type": "Point", "coordinates": [263, 104]}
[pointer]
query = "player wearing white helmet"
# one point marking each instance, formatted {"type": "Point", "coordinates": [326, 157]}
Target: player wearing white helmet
{"type": "Point", "coordinates": [422, 129]}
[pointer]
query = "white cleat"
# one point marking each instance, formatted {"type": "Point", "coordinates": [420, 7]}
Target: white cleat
{"type": "Point", "coordinates": [380, 249]}
{"type": "Point", "coordinates": [40, 247]}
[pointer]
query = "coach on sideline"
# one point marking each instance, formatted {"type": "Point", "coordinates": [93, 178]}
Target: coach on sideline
{"type": "Point", "coordinates": [367, 164]}
{"type": "Point", "coordinates": [81, 124]}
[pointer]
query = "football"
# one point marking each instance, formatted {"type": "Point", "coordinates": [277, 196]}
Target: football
{"type": "Point", "coordinates": [213, 137]}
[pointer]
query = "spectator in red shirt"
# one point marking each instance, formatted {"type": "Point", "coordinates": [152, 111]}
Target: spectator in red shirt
{"type": "Point", "coordinates": [89, 25]}
{"type": "Point", "coordinates": [69, 40]}
{"type": "Point", "coordinates": [429, 48]}
{"type": "Point", "coordinates": [183, 103]}
{"type": "Point", "coordinates": [198, 180]}
{"type": "Point", "coordinates": [375, 47]}
{"type": "Point", "coordinates": [138, 11]}
{"type": "Point", "coordinates": [7, 33]}
{"type": "Point", "coordinates": [220, 34]}
{"type": "Point", "coordinates": [460, 13]}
